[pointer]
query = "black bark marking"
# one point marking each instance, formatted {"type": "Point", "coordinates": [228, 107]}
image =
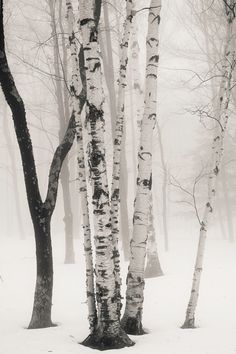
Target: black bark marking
{"type": "Point", "coordinates": [216, 170]}
{"type": "Point", "coordinates": [154, 58]}
{"type": "Point", "coordinates": [209, 207]}
{"type": "Point", "coordinates": [143, 155]}
{"type": "Point", "coordinates": [96, 66]}
{"type": "Point", "coordinates": [93, 113]}
{"type": "Point", "coordinates": [85, 21]}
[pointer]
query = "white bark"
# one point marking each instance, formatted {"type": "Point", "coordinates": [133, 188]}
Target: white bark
{"type": "Point", "coordinates": [137, 94]}
{"type": "Point", "coordinates": [119, 128]}
{"type": "Point", "coordinates": [108, 332]}
{"type": "Point", "coordinates": [221, 115]}
{"type": "Point", "coordinates": [135, 278]}
{"type": "Point", "coordinates": [92, 315]}
{"type": "Point", "coordinates": [94, 115]}
{"type": "Point", "coordinates": [109, 67]}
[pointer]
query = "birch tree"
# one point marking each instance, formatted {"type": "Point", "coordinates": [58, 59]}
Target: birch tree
{"type": "Point", "coordinates": [132, 319]}
{"type": "Point", "coordinates": [119, 128]}
{"type": "Point", "coordinates": [108, 66]}
{"type": "Point", "coordinates": [78, 74]}
{"type": "Point", "coordinates": [108, 333]}
{"type": "Point", "coordinates": [41, 211]}
{"type": "Point", "coordinates": [221, 117]}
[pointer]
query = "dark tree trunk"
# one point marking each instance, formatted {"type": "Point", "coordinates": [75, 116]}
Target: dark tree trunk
{"type": "Point", "coordinates": [41, 212]}
{"type": "Point", "coordinates": [41, 316]}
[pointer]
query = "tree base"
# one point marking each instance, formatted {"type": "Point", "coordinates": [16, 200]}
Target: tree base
{"type": "Point", "coordinates": [153, 273]}
{"type": "Point", "coordinates": [41, 324]}
{"type": "Point", "coordinates": [133, 326]}
{"type": "Point", "coordinates": [153, 268]}
{"type": "Point", "coordinates": [189, 324]}
{"type": "Point", "coordinates": [105, 342]}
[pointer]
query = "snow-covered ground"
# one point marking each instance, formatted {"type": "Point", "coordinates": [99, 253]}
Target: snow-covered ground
{"type": "Point", "coordinates": [164, 309]}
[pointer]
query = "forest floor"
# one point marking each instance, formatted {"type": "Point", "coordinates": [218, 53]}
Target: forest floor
{"type": "Point", "coordinates": [166, 298]}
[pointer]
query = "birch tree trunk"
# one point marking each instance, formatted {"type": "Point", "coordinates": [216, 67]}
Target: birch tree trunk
{"type": "Point", "coordinates": [77, 59]}
{"type": "Point", "coordinates": [108, 333]}
{"type": "Point", "coordinates": [222, 115]}
{"type": "Point", "coordinates": [65, 172]}
{"type": "Point", "coordinates": [108, 65]}
{"type": "Point", "coordinates": [132, 319]}
{"type": "Point", "coordinates": [119, 129]}
{"type": "Point", "coordinates": [124, 214]}
{"type": "Point", "coordinates": [137, 95]}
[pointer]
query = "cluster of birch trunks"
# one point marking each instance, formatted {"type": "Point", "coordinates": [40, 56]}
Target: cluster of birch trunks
{"type": "Point", "coordinates": [108, 327]}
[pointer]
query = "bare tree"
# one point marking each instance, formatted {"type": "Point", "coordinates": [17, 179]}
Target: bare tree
{"type": "Point", "coordinates": [41, 211]}
{"type": "Point", "coordinates": [78, 73]}
{"type": "Point", "coordinates": [221, 117]}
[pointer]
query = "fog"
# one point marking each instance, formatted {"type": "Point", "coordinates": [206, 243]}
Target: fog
{"type": "Point", "coordinates": [193, 37]}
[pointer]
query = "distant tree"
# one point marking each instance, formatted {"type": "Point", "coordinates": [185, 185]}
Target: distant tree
{"type": "Point", "coordinates": [60, 61]}
{"type": "Point", "coordinates": [13, 171]}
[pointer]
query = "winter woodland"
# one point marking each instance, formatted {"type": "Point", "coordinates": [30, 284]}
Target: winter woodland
{"type": "Point", "coordinates": [117, 160]}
